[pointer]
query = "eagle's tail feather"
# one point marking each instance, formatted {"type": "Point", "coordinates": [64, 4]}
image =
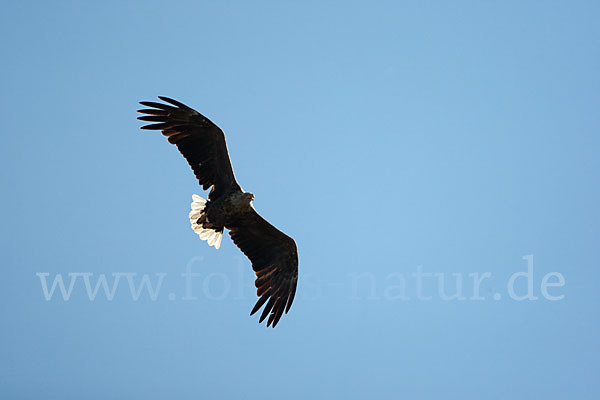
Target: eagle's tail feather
{"type": "Point", "coordinates": [197, 218]}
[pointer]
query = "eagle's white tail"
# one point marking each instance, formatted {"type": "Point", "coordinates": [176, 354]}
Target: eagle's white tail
{"type": "Point", "coordinates": [212, 236]}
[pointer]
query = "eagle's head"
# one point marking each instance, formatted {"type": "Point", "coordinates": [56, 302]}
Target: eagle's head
{"type": "Point", "coordinates": [248, 197]}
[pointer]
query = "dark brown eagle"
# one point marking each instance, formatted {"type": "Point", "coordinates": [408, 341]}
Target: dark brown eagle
{"type": "Point", "coordinates": [273, 254]}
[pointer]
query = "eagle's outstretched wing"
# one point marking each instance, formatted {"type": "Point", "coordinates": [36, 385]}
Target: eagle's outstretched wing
{"type": "Point", "coordinates": [200, 141]}
{"type": "Point", "coordinates": [274, 258]}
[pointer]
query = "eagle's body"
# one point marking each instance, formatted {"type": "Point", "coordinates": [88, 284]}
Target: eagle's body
{"type": "Point", "coordinates": [228, 209]}
{"type": "Point", "coordinates": [273, 254]}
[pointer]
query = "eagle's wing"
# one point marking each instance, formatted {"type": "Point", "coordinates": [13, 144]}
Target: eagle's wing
{"type": "Point", "coordinates": [274, 258]}
{"type": "Point", "coordinates": [200, 141]}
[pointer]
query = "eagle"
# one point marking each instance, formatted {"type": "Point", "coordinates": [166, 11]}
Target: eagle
{"type": "Point", "coordinates": [273, 254]}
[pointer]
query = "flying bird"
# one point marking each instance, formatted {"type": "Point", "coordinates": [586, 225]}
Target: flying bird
{"type": "Point", "coordinates": [273, 254]}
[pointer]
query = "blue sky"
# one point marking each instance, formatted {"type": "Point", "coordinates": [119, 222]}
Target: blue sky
{"type": "Point", "coordinates": [455, 141]}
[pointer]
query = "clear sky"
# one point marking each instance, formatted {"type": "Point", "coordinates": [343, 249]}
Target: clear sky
{"type": "Point", "coordinates": [406, 146]}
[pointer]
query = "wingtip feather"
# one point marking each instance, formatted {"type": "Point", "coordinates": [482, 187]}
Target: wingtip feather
{"type": "Point", "coordinates": [172, 101]}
